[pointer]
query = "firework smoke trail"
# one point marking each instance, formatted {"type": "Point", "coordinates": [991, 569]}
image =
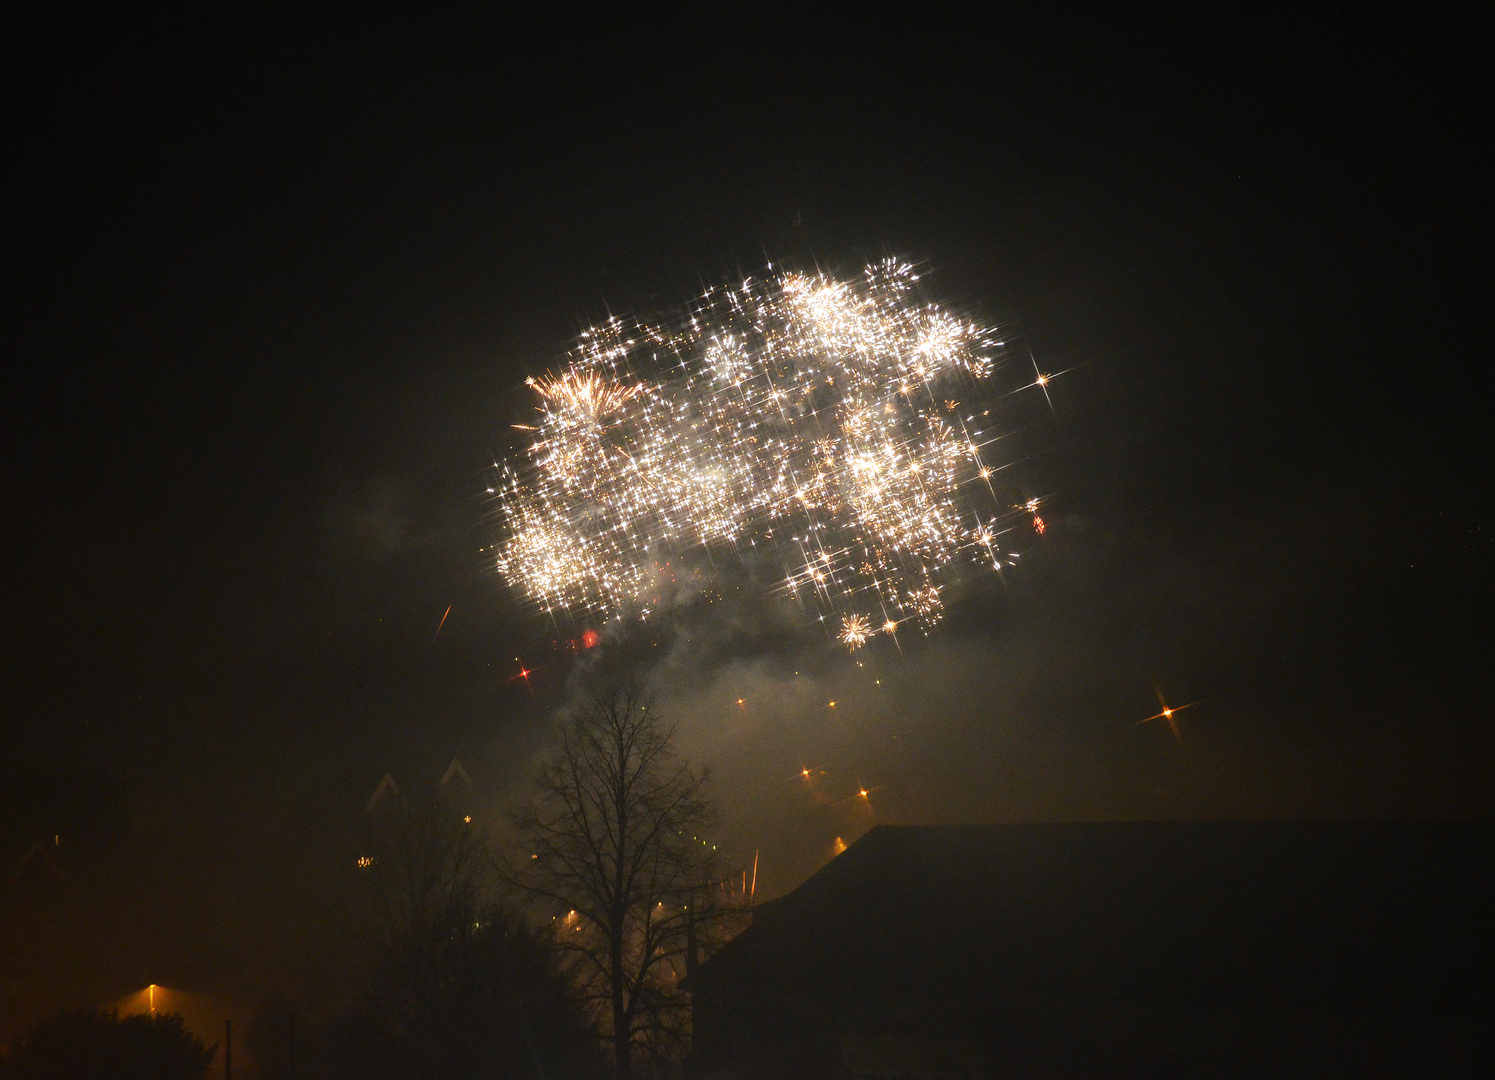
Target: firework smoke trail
{"type": "Point", "coordinates": [813, 420]}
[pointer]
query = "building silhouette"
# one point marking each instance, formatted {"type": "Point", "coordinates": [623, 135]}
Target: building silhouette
{"type": "Point", "coordinates": [54, 820]}
{"type": "Point", "coordinates": [1100, 950]}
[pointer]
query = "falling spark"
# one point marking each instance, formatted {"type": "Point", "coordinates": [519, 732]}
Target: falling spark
{"type": "Point", "coordinates": [819, 424]}
{"type": "Point", "coordinates": [1030, 507]}
{"type": "Point", "coordinates": [442, 623]}
{"type": "Point", "coordinates": [1167, 714]}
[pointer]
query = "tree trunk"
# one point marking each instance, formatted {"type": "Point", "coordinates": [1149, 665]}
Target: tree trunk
{"type": "Point", "coordinates": [622, 1027]}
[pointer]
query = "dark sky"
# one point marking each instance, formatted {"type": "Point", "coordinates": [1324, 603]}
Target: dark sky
{"type": "Point", "coordinates": [274, 283]}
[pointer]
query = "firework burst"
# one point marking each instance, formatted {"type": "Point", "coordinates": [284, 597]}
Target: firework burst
{"type": "Point", "coordinates": [855, 630]}
{"type": "Point", "coordinates": [801, 419]}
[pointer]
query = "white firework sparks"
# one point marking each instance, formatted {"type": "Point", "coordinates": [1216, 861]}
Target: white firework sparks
{"type": "Point", "coordinates": [855, 630]}
{"type": "Point", "coordinates": [815, 420]}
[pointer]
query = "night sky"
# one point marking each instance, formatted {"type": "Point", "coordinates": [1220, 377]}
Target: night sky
{"type": "Point", "coordinates": [274, 283]}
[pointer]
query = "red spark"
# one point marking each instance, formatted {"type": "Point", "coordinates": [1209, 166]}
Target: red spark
{"type": "Point", "coordinates": [524, 673]}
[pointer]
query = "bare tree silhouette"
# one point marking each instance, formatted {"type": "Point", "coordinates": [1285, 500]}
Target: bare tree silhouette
{"type": "Point", "coordinates": [615, 843]}
{"type": "Point", "coordinates": [462, 987]}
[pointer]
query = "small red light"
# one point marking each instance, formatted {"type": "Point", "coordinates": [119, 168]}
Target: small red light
{"type": "Point", "coordinates": [589, 638]}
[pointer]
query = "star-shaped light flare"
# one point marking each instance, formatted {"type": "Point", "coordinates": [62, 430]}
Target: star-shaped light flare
{"type": "Point", "coordinates": [1168, 713]}
{"type": "Point", "coordinates": [1041, 380]}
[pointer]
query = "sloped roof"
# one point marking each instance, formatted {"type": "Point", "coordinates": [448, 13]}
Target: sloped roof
{"type": "Point", "coordinates": [1154, 910]}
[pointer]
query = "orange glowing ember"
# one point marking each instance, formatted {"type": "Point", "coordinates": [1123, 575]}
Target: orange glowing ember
{"type": "Point", "coordinates": [1167, 714]}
